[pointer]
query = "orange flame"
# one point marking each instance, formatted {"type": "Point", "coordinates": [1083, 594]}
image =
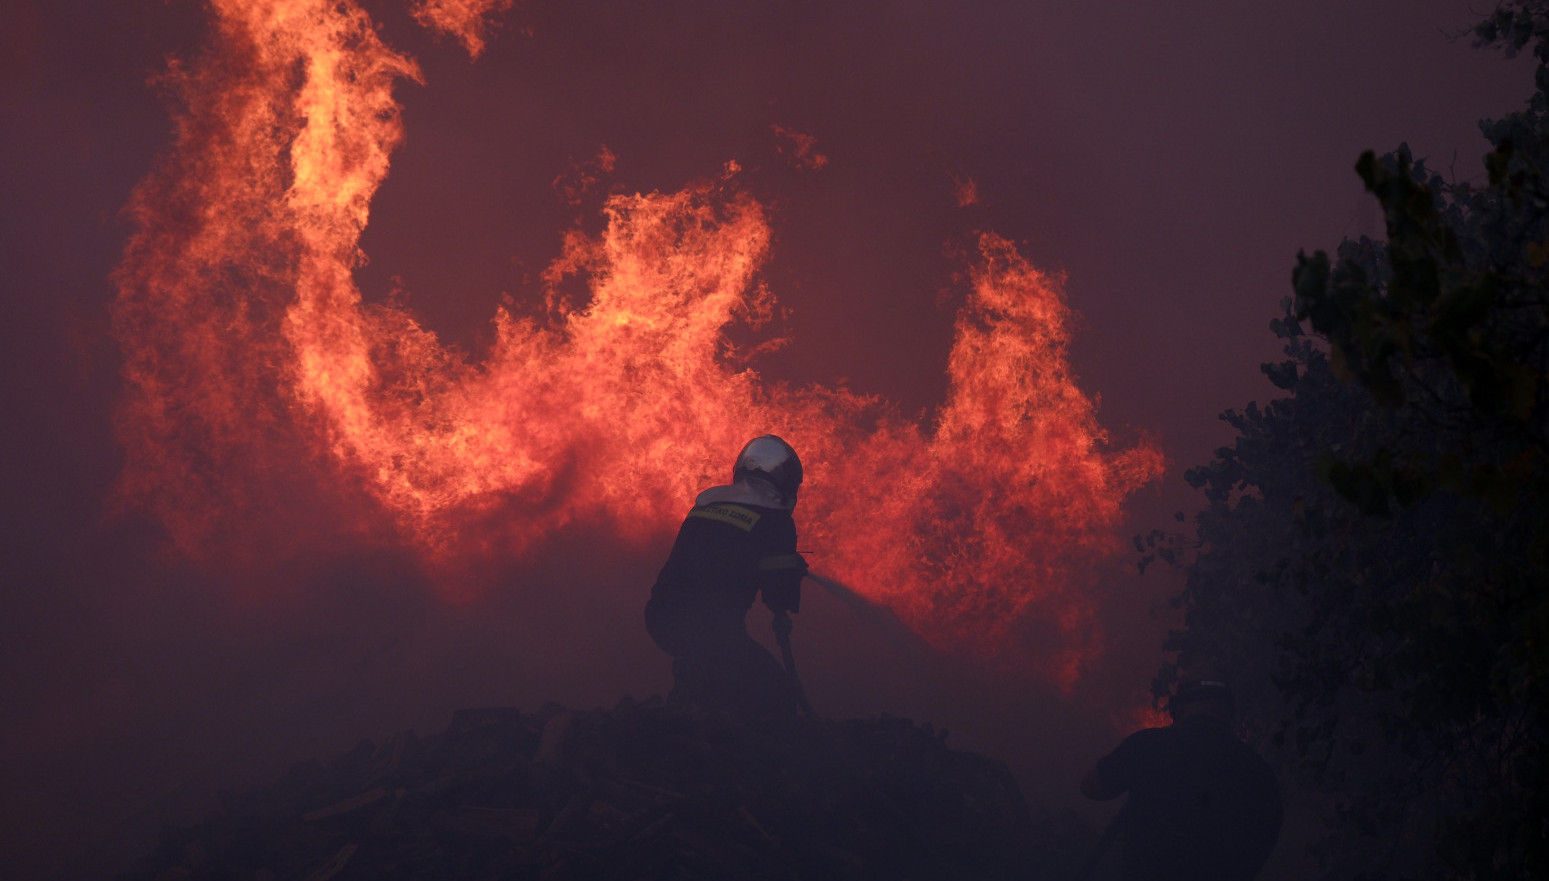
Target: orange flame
{"type": "Point", "coordinates": [464, 19]}
{"type": "Point", "coordinates": [803, 152]}
{"type": "Point", "coordinates": [258, 385]}
{"type": "Point", "coordinates": [965, 191]}
{"type": "Point", "coordinates": [1141, 713]}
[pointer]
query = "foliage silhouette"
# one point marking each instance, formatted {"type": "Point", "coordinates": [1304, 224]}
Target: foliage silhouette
{"type": "Point", "coordinates": [1372, 564]}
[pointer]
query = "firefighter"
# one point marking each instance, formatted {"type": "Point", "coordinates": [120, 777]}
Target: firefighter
{"type": "Point", "coordinates": [1201, 803]}
{"type": "Point", "coordinates": [738, 543]}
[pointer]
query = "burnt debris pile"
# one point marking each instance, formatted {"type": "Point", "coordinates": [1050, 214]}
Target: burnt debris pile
{"type": "Point", "coordinates": [643, 791]}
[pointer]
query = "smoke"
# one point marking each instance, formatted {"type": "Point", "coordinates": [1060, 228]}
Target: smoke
{"type": "Point", "coordinates": [260, 383]}
{"type": "Point", "coordinates": [138, 680]}
{"type": "Point", "coordinates": [250, 601]}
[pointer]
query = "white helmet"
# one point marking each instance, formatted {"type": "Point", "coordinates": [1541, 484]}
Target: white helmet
{"type": "Point", "coordinates": [772, 460]}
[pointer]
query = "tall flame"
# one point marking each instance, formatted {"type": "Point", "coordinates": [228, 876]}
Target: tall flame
{"type": "Point", "coordinates": [259, 386]}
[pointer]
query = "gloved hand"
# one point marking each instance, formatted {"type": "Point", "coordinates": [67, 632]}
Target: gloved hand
{"type": "Point", "coordinates": [780, 579]}
{"type": "Point", "coordinates": [782, 626]}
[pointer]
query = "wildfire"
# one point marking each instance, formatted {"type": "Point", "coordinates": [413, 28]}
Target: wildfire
{"type": "Point", "coordinates": [259, 385]}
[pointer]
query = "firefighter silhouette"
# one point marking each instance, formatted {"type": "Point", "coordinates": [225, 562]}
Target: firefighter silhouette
{"type": "Point", "coordinates": [1202, 804]}
{"type": "Point", "coordinates": [737, 543]}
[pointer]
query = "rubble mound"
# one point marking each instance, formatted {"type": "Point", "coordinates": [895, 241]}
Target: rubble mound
{"type": "Point", "coordinates": [644, 791]}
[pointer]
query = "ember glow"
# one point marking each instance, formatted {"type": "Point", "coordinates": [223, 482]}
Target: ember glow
{"type": "Point", "coordinates": [267, 405]}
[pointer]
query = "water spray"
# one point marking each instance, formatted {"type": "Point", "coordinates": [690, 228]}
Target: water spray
{"type": "Point", "coordinates": [881, 618]}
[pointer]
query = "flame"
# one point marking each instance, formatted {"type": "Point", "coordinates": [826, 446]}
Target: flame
{"type": "Point", "coordinates": [965, 191]}
{"type": "Point", "coordinates": [799, 148]}
{"type": "Point", "coordinates": [259, 386]}
{"type": "Point", "coordinates": [1141, 713]}
{"type": "Point", "coordinates": [467, 20]}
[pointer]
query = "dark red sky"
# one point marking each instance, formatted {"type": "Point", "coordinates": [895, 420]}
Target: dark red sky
{"type": "Point", "coordinates": [1170, 158]}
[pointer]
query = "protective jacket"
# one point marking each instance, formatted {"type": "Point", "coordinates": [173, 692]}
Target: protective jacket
{"type": "Point", "coordinates": [738, 542]}
{"type": "Point", "coordinates": [735, 544]}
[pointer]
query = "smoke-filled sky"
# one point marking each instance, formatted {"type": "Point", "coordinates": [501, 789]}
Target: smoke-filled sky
{"type": "Point", "coordinates": [1168, 159]}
